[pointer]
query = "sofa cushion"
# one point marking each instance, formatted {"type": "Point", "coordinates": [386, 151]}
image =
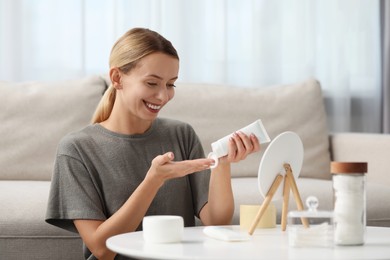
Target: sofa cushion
{"type": "Point", "coordinates": [24, 234]}
{"type": "Point", "coordinates": [25, 203]}
{"type": "Point", "coordinates": [34, 117]}
{"type": "Point", "coordinates": [215, 111]}
{"type": "Point", "coordinates": [372, 148]}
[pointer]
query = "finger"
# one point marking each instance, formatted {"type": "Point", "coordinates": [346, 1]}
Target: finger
{"type": "Point", "coordinates": [165, 158]}
{"type": "Point", "coordinates": [255, 142]}
{"type": "Point", "coordinates": [207, 162]}
{"type": "Point", "coordinates": [190, 166]}
{"type": "Point", "coordinates": [232, 149]}
{"type": "Point", "coordinates": [247, 142]}
{"type": "Point", "coordinates": [199, 164]}
{"type": "Point", "coordinates": [241, 149]}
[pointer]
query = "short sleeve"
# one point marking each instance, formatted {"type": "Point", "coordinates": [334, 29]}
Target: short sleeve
{"type": "Point", "coordinates": [73, 195]}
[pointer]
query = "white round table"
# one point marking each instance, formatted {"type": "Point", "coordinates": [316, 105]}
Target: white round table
{"type": "Point", "coordinates": [264, 244]}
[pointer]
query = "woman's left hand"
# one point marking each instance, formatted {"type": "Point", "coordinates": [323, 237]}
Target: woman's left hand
{"type": "Point", "coordinates": [240, 146]}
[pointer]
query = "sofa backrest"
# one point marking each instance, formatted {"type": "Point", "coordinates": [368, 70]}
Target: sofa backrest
{"type": "Point", "coordinates": [34, 117]}
{"type": "Point", "coordinates": [215, 111]}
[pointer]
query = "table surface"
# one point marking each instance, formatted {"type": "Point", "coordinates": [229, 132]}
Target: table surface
{"type": "Point", "coordinates": [264, 244]}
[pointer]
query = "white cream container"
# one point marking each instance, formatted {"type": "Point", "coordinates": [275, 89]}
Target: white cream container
{"type": "Point", "coordinates": [163, 228]}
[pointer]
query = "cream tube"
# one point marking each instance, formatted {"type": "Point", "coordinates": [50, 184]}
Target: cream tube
{"type": "Point", "coordinates": [220, 147]}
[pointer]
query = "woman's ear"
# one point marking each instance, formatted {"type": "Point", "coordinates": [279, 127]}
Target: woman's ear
{"type": "Point", "coordinates": [116, 78]}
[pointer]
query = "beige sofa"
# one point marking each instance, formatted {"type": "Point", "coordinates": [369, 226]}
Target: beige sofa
{"type": "Point", "coordinates": [35, 115]}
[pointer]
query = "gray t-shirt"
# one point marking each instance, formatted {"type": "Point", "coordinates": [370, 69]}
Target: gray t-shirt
{"type": "Point", "coordinates": [96, 171]}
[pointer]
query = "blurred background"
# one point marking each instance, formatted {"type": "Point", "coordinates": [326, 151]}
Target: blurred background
{"type": "Point", "coordinates": [246, 43]}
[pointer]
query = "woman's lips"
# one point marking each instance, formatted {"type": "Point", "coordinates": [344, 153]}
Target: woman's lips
{"type": "Point", "coordinates": [152, 107]}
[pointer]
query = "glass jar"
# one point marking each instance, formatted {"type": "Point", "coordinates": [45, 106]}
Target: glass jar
{"type": "Point", "coordinates": [349, 187]}
{"type": "Point", "coordinates": [319, 232]}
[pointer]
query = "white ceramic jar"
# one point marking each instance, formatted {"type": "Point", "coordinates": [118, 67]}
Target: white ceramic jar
{"type": "Point", "coordinates": [163, 228]}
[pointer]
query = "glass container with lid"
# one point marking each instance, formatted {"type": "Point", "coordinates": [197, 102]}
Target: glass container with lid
{"type": "Point", "coordinates": [318, 232]}
{"type": "Point", "coordinates": [349, 187]}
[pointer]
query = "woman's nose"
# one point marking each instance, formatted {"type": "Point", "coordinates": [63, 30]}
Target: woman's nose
{"type": "Point", "coordinates": [163, 95]}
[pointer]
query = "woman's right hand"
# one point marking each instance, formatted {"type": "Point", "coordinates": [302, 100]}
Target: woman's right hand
{"type": "Point", "coordinates": [164, 168]}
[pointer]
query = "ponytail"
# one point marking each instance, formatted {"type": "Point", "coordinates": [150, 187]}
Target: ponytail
{"type": "Point", "coordinates": [105, 106]}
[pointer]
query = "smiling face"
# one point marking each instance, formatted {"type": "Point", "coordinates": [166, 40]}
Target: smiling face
{"type": "Point", "coordinates": [145, 89]}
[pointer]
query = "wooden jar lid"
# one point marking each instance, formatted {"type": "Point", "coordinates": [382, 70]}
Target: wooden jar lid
{"type": "Point", "coordinates": [348, 167]}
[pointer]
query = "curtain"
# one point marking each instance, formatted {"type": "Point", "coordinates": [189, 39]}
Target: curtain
{"type": "Point", "coordinates": [385, 47]}
{"type": "Point", "coordinates": [248, 43]}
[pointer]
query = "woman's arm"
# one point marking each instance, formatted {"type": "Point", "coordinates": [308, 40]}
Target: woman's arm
{"type": "Point", "coordinates": [220, 207]}
{"type": "Point", "coordinates": [126, 219]}
{"type": "Point", "coordinates": [129, 216]}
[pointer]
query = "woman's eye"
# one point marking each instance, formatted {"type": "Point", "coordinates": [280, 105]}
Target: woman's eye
{"type": "Point", "coordinates": [171, 85]}
{"type": "Point", "coordinates": [152, 84]}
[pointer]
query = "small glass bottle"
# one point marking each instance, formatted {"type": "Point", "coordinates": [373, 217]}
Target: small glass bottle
{"type": "Point", "coordinates": [349, 187]}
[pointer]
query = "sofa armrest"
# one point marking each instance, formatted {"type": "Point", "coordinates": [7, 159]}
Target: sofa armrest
{"type": "Point", "coordinates": [364, 147]}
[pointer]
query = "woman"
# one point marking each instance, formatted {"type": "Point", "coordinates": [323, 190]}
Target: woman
{"type": "Point", "coordinates": [129, 163]}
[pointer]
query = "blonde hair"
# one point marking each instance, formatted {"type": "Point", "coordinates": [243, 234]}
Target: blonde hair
{"type": "Point", "coordinates": [125, 54]}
